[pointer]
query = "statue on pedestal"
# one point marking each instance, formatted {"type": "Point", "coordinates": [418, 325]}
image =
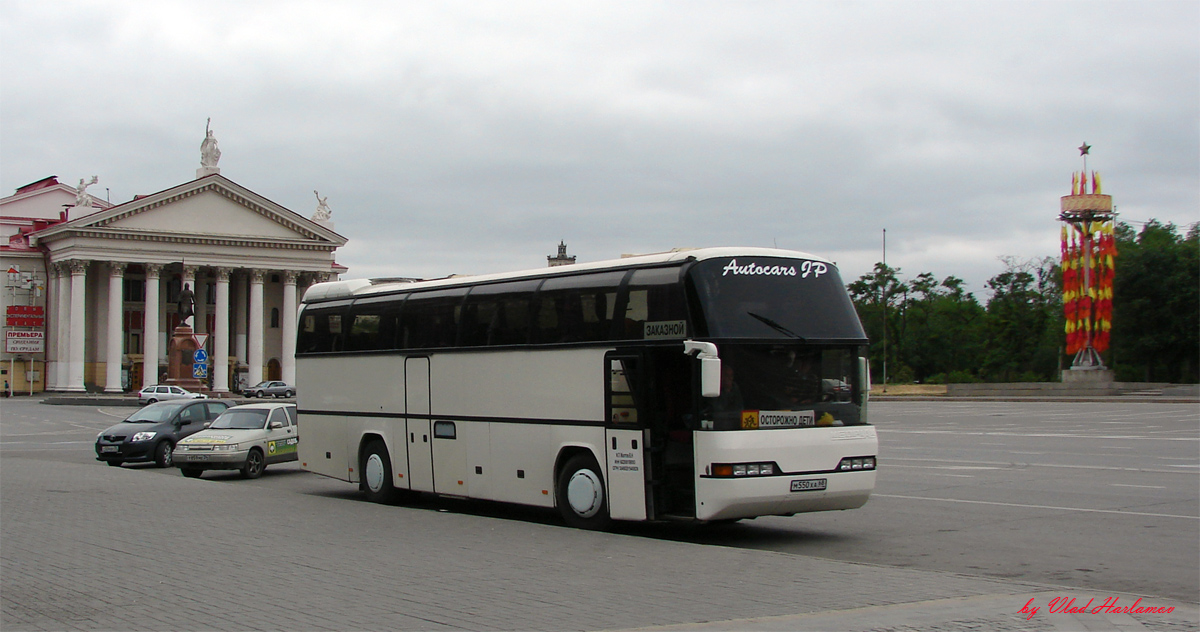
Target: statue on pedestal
{"type": "Point", "coordinates": [209, 152]}
{"type": "Point", "coordinates": [187, 304]}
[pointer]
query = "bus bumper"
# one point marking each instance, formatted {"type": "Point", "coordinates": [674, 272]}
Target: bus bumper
{"type": "Point", "coordinates": [731, 498]}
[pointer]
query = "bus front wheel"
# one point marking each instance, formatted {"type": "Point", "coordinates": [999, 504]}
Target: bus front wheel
{"type": "Point", "coordinates": [376, 473]}
{"type": "Point", "coordinates": [580, 494]}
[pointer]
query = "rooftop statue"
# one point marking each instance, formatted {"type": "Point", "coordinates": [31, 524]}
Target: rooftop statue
{"type": "Point", "coordinates": [209, 152]}
{"type": "Point", "coordinates": [81, 196]}
{"type": "Point", "coordinates": [323, 213]}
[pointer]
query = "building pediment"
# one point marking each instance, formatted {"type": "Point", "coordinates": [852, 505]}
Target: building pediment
{"type": "Point", "coordinates": [212, 208]}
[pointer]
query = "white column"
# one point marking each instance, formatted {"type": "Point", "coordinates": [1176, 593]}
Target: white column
{"type": "Point", "coordinates": [220, 344]}
{"type": "Point", "coordinates": [52, 312]}
{"type": "Point", "coordinates": [116, 304]}
{"type": "Point", "coordinates": [189, 279]}
{"type": "Point", "coordinates": [78, 325]}
{"type": "Point", "coordinates": [255, 350]}
{"type": "Point", "coordinates": [150, 328]}
{"type": "Point", "coordinates": [63, 335]}
{"type": "Point", "coordinates": [241, 300]}
{"type": "Point", "coordinates": [288, 359]}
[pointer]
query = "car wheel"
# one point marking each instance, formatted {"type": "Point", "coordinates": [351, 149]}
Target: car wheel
{"type": "Point", "coordinates": [191, 472]}
{"type": "Point", "coordinates": [580, 494]}
{"type": "Point", "coordinates": [152, 401]}
{"type": "Point", "coordinates": [375, 470]}
{"type": "Point", "coordinates": [254, 464]}
{"type": "Point", "coordinates": [289, 394]}
{"type": "Point", "coordinates": [163, 454]}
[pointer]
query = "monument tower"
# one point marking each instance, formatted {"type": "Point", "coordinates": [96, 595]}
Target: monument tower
{"type": "Point", "coordinates": [1089, 251]}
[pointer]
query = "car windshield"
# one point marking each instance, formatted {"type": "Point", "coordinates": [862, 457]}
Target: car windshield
{"type": "Point", "coordinates": [248, 419]}
{"type": "Point", "coordinates": [153, 414]}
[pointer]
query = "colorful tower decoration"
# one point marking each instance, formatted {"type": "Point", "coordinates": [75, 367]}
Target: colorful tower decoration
{"type": "Point", "coordinates": [1089, 251]}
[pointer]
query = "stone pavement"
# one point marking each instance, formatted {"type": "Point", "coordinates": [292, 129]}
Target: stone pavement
{"type": "Point", "coordinates": [88, 547]}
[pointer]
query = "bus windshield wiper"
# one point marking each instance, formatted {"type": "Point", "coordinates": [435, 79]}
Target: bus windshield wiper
{"type": "Point", "coordinates": [776, 326]}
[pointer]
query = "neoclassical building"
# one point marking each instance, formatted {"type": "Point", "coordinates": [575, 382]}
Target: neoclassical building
{"type": "Point", "coordinates": [108, 278]}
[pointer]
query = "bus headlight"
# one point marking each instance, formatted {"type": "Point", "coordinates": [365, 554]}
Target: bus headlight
{"type": "Point", "coordinates": [850, 464]}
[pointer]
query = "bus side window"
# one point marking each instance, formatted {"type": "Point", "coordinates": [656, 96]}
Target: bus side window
{"type": "Point", "coordinates": [477, 318]}
{"type": "Point", "coordinates": [622, 405]}
{"type": "Point", "coordinates": [577, 308]}
{"type": "Point", "coordinates": [430, 319]}
{"type": "Point", "coordinates": [364, 333]}
{"type": "Point", "coordinates": [655, 295]}
{"type": "Point", "coordinates": [512, 321]}
{"type": "Point", "coordinates": [320, 329]}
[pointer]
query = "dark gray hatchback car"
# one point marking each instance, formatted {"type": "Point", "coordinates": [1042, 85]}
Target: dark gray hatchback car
{"type": "Point", "coordinates": [151, 433]}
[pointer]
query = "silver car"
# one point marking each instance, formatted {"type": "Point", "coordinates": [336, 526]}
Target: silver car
{"type": "Point", "coordinates": [162, 393]}
{"type": "Point", "coordinates": [270, 388]}
{"type": "Point", "coordinates": [247, 438]}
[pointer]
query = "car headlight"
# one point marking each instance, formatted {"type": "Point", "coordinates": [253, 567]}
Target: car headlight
{"type": "Point", "coordinates": [225, 446]}
{"type": "Point", "coordinates": [143, 436]}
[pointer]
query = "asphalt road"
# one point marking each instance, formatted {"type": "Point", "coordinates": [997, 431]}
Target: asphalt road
{"type": "Point", "coordinates": [1103, 497]}
{"type": "Point", "coordinates": [1091, 495]}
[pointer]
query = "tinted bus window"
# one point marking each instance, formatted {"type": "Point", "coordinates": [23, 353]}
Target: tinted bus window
{"type": "Point", "coordinates": [320, 328]}
{"type": "Point", "coordinates": [430, 319]}
{"type": "Point", "coordinates": [497, 314]}
{"type": "Point", "coordinates": [373, 323]}
{"type": "Point", "coordinates": [766, 297]}
{"type": "Point", "coordinates": [577, 308]}
{"type": "Point", "coordinates": [656, 307]}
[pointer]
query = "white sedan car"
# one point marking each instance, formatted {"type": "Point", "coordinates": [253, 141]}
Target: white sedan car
{"type": "Point", "coordinates": [164, 392]}
{"type": "Point", "coordinates": [248, 438]}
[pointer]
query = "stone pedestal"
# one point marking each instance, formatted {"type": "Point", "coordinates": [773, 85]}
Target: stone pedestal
{"type": "Point", "coordinates": [1087, 376]}
{"type": "Point", "coordinates": [181, 351]}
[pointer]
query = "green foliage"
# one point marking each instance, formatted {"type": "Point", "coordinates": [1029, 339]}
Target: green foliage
{"type": "Point", "coordinates": [1156, 304]}
{"type": "Point", "coordinates": [1024, 323]}
{"type": "Point", "coordinates": [939, 333]}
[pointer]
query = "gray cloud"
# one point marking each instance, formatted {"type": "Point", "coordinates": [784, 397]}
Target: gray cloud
{"type": "Point", "coordinates": [461, 137]}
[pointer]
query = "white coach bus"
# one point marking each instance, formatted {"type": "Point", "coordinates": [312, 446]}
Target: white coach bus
{"type": "Point", "coordinates": [703, 385]}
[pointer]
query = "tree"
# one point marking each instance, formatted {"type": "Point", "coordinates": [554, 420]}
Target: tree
{"type": "Point", "coordinates": [1156, 304]}
{"type": "Point", "coordinates": [932, 329]}
{"type": "Point", "coordinates": [942, 330]}
{"type": "Point", "coordinates": [1024, 322]}
{"type": "Point", "coordinates": [876, 297]}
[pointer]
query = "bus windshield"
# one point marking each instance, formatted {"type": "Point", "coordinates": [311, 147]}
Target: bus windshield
{"type": "Point", "coordinates": [788, 385]}
{"type": "Point", "coordinates": [775, 298]}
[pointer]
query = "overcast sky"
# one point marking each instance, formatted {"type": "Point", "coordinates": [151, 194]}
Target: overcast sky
{"type": "Point", "coordinates": [470, 137]}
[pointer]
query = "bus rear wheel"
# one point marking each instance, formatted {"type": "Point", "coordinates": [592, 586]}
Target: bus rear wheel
{"type": "Point", "coordinates": [580, 494]}
{"type": "Point", "coordinates": [375, 470]}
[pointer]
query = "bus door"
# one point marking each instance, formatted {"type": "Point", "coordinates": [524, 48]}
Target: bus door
{"type": "Point", "coordinates": [418, 436]}
{"type": "Point", "coordinates": [671, 420]}
{"type": "Point", "coordinates": [624, 438]}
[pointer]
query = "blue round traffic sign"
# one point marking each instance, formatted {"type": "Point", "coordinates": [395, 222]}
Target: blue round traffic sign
{"type": "Point", "coordinates": [200, 356]}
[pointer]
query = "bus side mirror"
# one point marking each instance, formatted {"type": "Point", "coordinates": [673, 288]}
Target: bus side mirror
{"type": "Point", "coordinates": [710, 366]}
{"type": "Point", "coordinates": [710, 377]}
